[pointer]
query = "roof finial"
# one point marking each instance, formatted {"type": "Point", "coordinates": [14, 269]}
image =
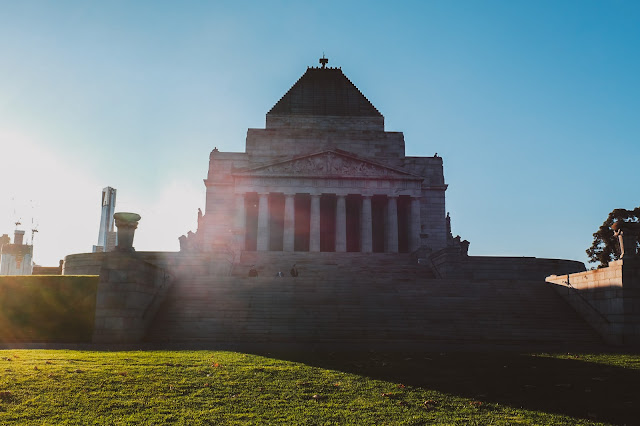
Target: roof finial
{"type": "Point", "coordinates": [323, 60]}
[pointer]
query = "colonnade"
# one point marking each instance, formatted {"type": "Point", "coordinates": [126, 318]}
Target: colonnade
{"type": "Point", "coordinates": [328, 222]}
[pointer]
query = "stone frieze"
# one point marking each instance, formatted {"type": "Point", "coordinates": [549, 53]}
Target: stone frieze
{"type": "Point", "coordinates": [328, 164]}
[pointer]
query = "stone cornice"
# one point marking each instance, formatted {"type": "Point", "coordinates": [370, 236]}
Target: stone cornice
{"type": "Point", "coordinates": [436, 187]}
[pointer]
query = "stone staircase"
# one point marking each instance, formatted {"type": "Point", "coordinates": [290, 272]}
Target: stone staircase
{"type": "Point", "coordinates": [363, 301]}
{"type": "Point", "coordinates": [325, 265]}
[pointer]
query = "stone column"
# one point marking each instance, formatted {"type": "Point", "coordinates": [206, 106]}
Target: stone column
{"type": "Point", "coordinates": [241, 218]}
{"type": "Point", "coordinates": [366, 224]}
{"type": "Point", "coordinates": [414, 228]}
{"type": "Point", "coordinates": [289, 232]}
{"type": "Point", "coordinates": [263, 223]}
{"type": "Point", "coordinates": [392, 224]}
{"type": "Point", "coordinates": [314, 224]}
{"type": "Point", "coordinates": [341, 224]}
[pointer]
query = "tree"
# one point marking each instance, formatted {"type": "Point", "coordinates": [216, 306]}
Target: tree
{"type": "Point", "coordinates": [605, 247]}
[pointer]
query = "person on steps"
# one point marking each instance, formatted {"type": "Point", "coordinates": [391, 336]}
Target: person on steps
{"type": "Point", "coordinates": [294, 271]}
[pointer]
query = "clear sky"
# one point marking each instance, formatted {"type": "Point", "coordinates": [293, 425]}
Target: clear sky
{"type": "Point", "coordinates": [533, 105]}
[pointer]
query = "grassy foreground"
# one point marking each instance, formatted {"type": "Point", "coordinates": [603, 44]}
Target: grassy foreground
{"type": "Point", "coordinates": [206, 387]}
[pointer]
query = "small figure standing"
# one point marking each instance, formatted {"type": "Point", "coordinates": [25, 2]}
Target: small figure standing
{"type": "Point", "coordinates": [279, 274]}
{"type": "Point", "coordinates": [253, 272]}
{"type": "Point", "coordinates": [294, 271]}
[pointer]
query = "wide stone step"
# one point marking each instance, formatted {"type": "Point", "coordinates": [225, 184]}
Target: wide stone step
{"type": "Point", "coordinates": [365, 306]}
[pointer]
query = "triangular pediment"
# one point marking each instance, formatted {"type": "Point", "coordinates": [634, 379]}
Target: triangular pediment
{"type": "Point", "coordinates": [329, 164]}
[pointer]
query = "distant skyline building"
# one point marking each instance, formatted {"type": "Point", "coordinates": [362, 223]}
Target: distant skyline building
{"type": "Point", "coordinates": [16, 258]}
{"type": "Point", "coordinates": [106, 234]}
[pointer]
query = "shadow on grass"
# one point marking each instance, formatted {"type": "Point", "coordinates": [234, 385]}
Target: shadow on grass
{"type": "Point", "coordinates": [574, 387]}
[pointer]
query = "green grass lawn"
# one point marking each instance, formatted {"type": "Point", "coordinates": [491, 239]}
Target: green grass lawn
{"type": "Point", "coordinates": [207, 387]}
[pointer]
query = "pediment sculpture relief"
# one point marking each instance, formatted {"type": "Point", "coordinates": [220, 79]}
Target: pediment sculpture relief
{"type": "Point", "coordinates": [328, 164]}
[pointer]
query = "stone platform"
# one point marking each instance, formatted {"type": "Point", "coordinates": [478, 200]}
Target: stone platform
{"type": "Point", "coordinates": [360, 301]}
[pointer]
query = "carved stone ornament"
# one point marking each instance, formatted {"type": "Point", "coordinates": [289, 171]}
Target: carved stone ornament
{"type": "Point", "coordinates": [329, 164]}
{"type": "Point", "coordinates": [126, 223]}
{"type": "Point", "coordinates": [627, 233]}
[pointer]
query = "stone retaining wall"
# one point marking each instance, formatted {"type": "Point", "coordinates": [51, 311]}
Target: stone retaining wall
{"type": "Point", "coordinates": [449, 263]}
{"type": "Point", "coordinates": [130, 291]}
{"type": "Point", "coordinates": [607, 298]}
{"type": "Point", "coordinates": [176, 263]}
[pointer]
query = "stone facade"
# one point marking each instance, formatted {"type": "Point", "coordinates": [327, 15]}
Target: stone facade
{"type": "Point", "coordinates": [323, 175]}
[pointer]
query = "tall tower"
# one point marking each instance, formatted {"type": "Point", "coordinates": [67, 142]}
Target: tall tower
{"type": "Point", "coordinates": [106, 235]}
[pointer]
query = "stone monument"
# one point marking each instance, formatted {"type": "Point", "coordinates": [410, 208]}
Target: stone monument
{"type": "Point", "coordinates": [323, 176]}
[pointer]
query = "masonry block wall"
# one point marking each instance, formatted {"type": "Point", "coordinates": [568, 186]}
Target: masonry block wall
{"type": "Point", "coordinates": [607, 298]}
{"type": "Point", "coordinates": [130, 291]}
{"type": "Point", "coordinates": [448, 263]}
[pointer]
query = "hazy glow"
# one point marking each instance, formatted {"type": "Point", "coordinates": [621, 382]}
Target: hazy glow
{"type": "Point", "coordinates": [532, 105]}
{"type": "Point", "coordinates": [64, 203]}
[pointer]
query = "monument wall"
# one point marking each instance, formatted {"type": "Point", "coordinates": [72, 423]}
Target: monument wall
{"type": "Point", "coordinates": [607, 298]}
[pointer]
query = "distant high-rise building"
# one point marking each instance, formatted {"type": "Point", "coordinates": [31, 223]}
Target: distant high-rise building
{"type": "Point", "coordinates": [106, 234]}
{"type": "Point", "coordinates": [16, 258]}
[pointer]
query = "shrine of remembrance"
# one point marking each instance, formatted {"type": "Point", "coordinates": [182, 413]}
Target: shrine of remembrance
{"type": "Point", "coordinates": [323, 176]}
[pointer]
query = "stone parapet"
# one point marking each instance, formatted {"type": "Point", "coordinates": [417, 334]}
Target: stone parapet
{"type": "Point", "coordinates": [450, 263]}
{"type": "Point", "coordinates": [175, 263]}
{"type": "Point", "coordinates": [83, 264]}
{"type": "Point", "coordinates": [607, 298]}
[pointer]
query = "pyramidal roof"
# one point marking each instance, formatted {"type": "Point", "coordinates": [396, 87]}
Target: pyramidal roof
{"type": "Point", "coordinates": [324, 92]}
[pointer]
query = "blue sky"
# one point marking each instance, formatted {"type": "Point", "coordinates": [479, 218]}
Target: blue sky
{"type": "Point", "coordinates": [533, 106]}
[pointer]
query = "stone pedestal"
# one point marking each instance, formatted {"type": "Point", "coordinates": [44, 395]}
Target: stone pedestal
{"type": "Point", "coordinates": [126, 224]}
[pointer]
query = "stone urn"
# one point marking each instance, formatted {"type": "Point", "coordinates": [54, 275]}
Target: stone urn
{"type": "Point", "coordinates": [627, 233]}
{"type": "Point", "coordinates": [126, 224]}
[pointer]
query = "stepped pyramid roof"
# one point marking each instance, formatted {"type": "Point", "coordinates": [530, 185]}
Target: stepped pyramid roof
{"type": "Point", "coordinates": [324, 92]}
